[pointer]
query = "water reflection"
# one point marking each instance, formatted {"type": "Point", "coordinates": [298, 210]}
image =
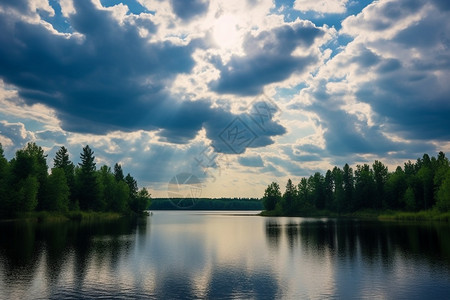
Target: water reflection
{"type": "Point", "coordinates": [362, 255]}
{"type": "Point", "coordinates": [35, 257]}
{"type": "Point", "coordinates": [180, 255]}
{"type": "Point", "coordinates": [273, 232]}
{"type": "Point", "coordinates": [370, 239]}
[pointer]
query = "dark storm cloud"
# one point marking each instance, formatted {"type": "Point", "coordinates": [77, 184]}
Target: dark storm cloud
{"type": "Point", "coordinates": [57, 137]}
{"type": "Point", "coordinates": [251, 161]}
{"type": "Point", "coordinates": [105, 78]}
{"type": "Point", "coordinates": [110, 77]}
{"type": "Point", "coordinates": [268, 58]}
{"type": "Point", "coordinates": [366, 58]}
{"type": "Point", "coordinates": [389, 65]}
{"type": "Point", "coordinates": [188, 9]}
{"type": "Point", "coordinates": [408, 106]}
{"type": "Point", "coordinates": [442, 4]}
{"type": "Point", "coordinates": [347, 134]}
{"type": "Point", "coordinates": [304, 152]}
{"type": "Point", "coordinates": [410, 92]}
{"type": "Point", "coordinates": [235, 133]}
{"type": "Point", "coordinates": [19, 5]}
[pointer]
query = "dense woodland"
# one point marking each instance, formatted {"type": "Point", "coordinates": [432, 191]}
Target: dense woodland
{"type": "Point", "coordinates": [206, 204]}
{"type": "Point", "coordinates": [26, 185]}
{"type": "Point", "coordinates": [420, 185]}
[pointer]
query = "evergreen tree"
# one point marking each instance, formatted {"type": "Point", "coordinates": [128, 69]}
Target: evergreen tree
{"type": "Point", "coordinates": [89, 193]}
{"type": "Point", "coordinates": [63, 162]}
{"type": "Point", "coordinates": [141, 202]}
{"type": "Point", "coordinates": [364, 196]}
{"type": "Point", "coordinates": [380, 174]}
{"type": "Point", "coordinates": [317, 182]}
{"type": "Point", "coordinates": [272, 196]}
{"type": "Point", "coordinates": [348, 181]}
{"type": "Point", "coordinates": [4, 180]}
{"type": "Point", "coordinates": [442, 166]}
{"type": "Point", "coordinates": [443, 194]}
{"type": "Point", "coordinates": [132, 185]}
{"type": "Point", "coordinates": [289, 197]}
{"type": "Point", "coordinates": [396, 186]}
{"type": "Point", "coordinates": [328, 190]}
{"type": "Point", "coordinates": [118, 173]}
{"type": "Point", "coordinates": [339, 193]}
{"type": "Point", "coordinates": [426, 177]}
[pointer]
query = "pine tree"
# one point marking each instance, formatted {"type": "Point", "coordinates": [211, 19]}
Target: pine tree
{"type": "Point", "coordinates": [63, 162]}
{"type": "Point", "coordinates": [118, 173]}
{"type": "Point", "coordinates": [272, 196]}
{"type": "Point", "coordinates": [88, 187]}
{"type": "Point", "coordinates": [4, 178]}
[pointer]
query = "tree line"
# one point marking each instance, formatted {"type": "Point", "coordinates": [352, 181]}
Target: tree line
{"type": "Point", "coordinates": [26, 185]}
{"type": "Point", "coordinates": [420, 185]}
{"type": "Point", "coordinates": [206, 204]}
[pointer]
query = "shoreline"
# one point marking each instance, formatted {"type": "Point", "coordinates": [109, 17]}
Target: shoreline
{"type": "Point", "coordinates": [383, 215]}
{"type": "Point", "coordinates": [49, 216]}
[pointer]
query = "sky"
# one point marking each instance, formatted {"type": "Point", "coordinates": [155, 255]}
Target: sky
{"type": "Point", "coordinates": [232, 94]}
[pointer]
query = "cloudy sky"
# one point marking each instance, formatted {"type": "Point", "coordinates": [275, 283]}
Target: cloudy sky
{"type": "Point", "coordinates": [237, 93]}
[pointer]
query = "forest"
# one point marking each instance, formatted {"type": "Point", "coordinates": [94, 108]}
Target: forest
{"type": "Point", "coordinates": [206, 204]}
{"type": "Point", "coordinates": [417, 186]}
{"type": "Point", "coordinates": [26, 185]}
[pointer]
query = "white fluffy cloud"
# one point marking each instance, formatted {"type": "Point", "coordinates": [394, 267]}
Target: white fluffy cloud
{"type": "Point", "coordinates": [321, 6]}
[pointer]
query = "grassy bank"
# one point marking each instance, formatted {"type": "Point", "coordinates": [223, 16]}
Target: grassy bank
{"type": "Point", "coordinates": [425, 215]}
{"type": "Point", "coordinates": [384, 215]}
{"type": "Point", "coordinates": [47, 216]}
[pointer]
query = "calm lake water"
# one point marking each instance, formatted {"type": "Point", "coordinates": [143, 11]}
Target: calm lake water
{"type": "Point", "coordinates": [224, 255]}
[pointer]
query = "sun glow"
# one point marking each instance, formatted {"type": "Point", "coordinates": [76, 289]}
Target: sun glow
{"type": "Point", "coordinates": [226, 32]}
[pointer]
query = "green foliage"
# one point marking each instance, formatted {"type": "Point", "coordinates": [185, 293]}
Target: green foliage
{"type": "Point", "coordinates": [211, 204]}
{"type": "Point", "coordinates": [63, 162]}
{"type": "Point", "coordinates": [338, 203]}
{"type": "Point", "coordinates": [141, 202]}
{"type": "Point", "coordinates": [395, 188]}
{"type": "Point", "coordinates": [115, 194]}
{"type": "Point", "coordinates": [56, 192]}
{"type": "Point", "coordinates": [118, 172]}
{"type": "Point", "coordinates": [443, 194]}
{"type": "Point", "coordinates": [422, 185]}
{"type": "Point", "coordinates": [381, 175]}
{"type": "Point", "coordinates": [289, 197]}
{"type": "Point", "coordinates": [26, 186]}
{"type": "Point", "coordinates": [27, 178]}
{"type": "Point", "coordinates": [272, 195]}
{"type": "Point", "coordinates": [88, 186]}
{"type": "Point", "coordinates": [26, 192]}
{"type": "Point", "coordinates": [317, 185]}
{"type": "Point", "coordinates": [4, 188]}
{"type": "Point", "coordinates": [348, 181]}
{"type": "Point", "coordinates": [132, 185]}
{"type": "Point", "coordinates": [409, 199]}
{"type": "Point", "coordinates": [364, 188]}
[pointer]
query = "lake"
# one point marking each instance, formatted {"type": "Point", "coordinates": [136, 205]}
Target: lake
{"type": "Point", "coordinates": [224, 255]}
